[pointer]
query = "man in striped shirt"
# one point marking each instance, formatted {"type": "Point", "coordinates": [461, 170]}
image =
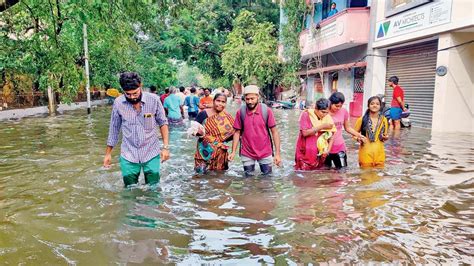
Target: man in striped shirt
{"type": "Point", "coordinates": [137, 114]}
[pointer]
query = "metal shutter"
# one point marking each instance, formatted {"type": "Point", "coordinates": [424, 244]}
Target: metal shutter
{"type": "Point", "coordinates": [417, 77]}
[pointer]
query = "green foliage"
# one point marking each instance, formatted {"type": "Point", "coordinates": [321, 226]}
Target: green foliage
{"type": "Point", "coordinates": [44, 39]}
{"type": "Point", "coordinates": [199, 33]}
{"type": "Point", "coordinates": [188, 75]}
{"type": "Point", "coordinates": [294, 11]}
{"type": "Point", "coordinates": [250, 51]}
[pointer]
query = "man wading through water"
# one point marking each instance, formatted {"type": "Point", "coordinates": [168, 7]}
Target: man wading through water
{"type": "Point", "coordinates": [253, 123]}
{"type": "Point", "coordinates": [137, 114]}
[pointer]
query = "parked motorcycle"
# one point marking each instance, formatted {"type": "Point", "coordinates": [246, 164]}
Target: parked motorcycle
{"type": "Point", "coordinates": [405, 120]}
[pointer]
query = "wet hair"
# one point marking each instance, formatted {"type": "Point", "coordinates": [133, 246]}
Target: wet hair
{"type": "Point", "coordinates": [206, 89]}
{"type": "Point", "coordinates": [394, 79]}
{"type": "Point", "coordinates": [322, 104]}
{"type": "Point", "coordinates": [167, 90]}
{"type": "Point", "coordinates": [181, 89]}
{"type": "Point", "coordinates": [336, 98]}
{"type": "Point", "coordinates": [130, 81]}
{"type": "Point", "coordinates": [366, 117]}
{"type": "Point", "coordinates": [152, 88]}
{"type": "Point", "coordinates": [193, 90]}
{"type": "Point", "coordinates": [219, 95]}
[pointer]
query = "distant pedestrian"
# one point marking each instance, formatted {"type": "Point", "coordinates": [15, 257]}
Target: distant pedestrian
{"type": "Point", "coordinates": [206, 100]}
{"type": "Point", "coordinates": [137, 114]}
{"type": "Point", "coordinates": [164, 95]}
{"type": "Point", "coordinates": [255, 127]}
{"type": "Point", "coordinates": [374, 127]}
{"type": "Point", "coordinates": [340, 116]}
{"type": "Point", "coordinates": [313, 124]}
{"type": "Point", "coordinates": [397, 106]}
{"type": "Point", "coordinates": [192, 102]}
{"type": "Point", "coordinates": [174, 108]}
{"type": "Point", "coordinates": [333, 10]}
{"type": "Point", "coordinates": [181, 94]}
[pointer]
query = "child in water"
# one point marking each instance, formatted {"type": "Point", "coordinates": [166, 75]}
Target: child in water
{"type": "Point", "coordinates": [374, 128]}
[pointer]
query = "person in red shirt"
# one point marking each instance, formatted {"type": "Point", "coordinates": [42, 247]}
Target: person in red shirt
{"type": "Point", "coordinates": [254, 134]}
{"type": "Point", "coordinates": [397, 106]}
{"type": "Point", "coordinates": [164, 95]}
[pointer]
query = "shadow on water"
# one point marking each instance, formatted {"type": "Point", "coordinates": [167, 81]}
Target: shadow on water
{"type": "Point", "coordinates": [57, 205]}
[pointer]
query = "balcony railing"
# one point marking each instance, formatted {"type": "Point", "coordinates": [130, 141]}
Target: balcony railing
{"type": "Point", "coordinates": [346, 29]}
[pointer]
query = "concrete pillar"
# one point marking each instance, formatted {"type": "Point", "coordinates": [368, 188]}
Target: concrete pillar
{"type": "Point", "coordinates": [310, 89]}
{"type": "Point", "coordinates": [453, 106]}
{"type": "Point", "coordinates": [375, 75]}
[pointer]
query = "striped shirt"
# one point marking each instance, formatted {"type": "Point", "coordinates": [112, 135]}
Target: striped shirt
{"type": "Point", "coordinates": [139, 137]}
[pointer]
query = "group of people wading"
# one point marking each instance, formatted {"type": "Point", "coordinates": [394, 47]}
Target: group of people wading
{"type": "Point", "coordinates": [320, 144]}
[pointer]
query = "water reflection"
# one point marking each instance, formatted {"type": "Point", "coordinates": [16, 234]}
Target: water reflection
{"type": "Point", "coordinates": [57, 205]}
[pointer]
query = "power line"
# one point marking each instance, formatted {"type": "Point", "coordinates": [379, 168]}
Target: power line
{"type": "Point", "coordinates": [411, 55]}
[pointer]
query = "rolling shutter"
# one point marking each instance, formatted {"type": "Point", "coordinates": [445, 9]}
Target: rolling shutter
{"type": "Point", "coordinates": [416, 75]}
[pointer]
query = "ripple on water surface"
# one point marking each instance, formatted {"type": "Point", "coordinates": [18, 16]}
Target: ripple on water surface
{"type": "Point", "coordinates": [59, 206]}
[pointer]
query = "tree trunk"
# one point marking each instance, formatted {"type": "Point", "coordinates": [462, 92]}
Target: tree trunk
{"type": "Point", "coordinates": [51, 102]}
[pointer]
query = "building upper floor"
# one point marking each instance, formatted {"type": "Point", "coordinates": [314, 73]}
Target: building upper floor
{"type": "Point", "coordinates": [334, 25]}
{"type": "Point", "coordinates": [401, 21]}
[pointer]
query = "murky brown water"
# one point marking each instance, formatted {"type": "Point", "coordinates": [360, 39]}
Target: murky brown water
{"type": "Point", "coordinates": [57, 206]}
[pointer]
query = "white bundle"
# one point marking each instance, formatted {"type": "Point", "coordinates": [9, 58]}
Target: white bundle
{"type": "Point", "coordinates": [195, 128]}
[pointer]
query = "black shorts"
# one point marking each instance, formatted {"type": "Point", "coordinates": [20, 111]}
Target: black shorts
{"type": "Point", "coordinates": [192, 115]}
{"type": "Point", "coordinates": [339, 159]}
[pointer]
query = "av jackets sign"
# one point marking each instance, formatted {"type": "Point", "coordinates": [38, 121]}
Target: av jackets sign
{"type": "Point", "coordinates": [422, 17]}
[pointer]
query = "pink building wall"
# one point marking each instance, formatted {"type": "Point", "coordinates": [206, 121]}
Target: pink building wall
{"type": "Point", "coordinates": [346, 29]}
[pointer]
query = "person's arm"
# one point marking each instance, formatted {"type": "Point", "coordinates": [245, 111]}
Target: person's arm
{"type": "Point", "coordinates": [162, 122]}
{"type": "Point", "coordinates": [350, 130]}
{"type": "Point", "coordinates": [331, 142]}
{"type": "Point", "coordinates": [401, 102]}
{"type": "Point", "coordinates": [358, 128]}
{"type": "Point", "coordinates": [276, 142]}
{"type": "Point", "coordinates": [315, 130]}
{"type": "Point", "coordinates": [182, 111]}
{"type": "Point", "coordinates": [385, 129]}
{"type": "Point", "coordinates": [235, 143]}
{"type": "Point", "coordinates": [238, 126]}
{"type": "Point", "coordinates": [165, 153]}
{"type": "Point", "coordinates": [112, 140]}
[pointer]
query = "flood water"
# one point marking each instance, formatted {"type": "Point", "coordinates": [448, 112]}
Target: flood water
{"type": "Point", "coordinates": [58, 206]}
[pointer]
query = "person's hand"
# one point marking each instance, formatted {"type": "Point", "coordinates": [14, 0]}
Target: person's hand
{"type": "Point", "coordinates": [361, 139]}
{"type": "Point", "coordinates": [107, 160]}
{"type": "Point", "coordinates": [200, 132]}
{"type": "Point", "coordinates": [277, 160]}
{"type": "Point", "coordinates": [326, 126]}
{"type": "Point", "coordinates": [165, 155]}
{"type": "Point", "coordinates": [231, 156]}
{"type": "Point", "coordinates": [384, 137]}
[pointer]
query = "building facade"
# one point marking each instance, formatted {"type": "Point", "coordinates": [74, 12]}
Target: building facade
{"type": "Point", "coordinates": [429, 46]}
{"type": "Point", "coordinates": [333, 49]}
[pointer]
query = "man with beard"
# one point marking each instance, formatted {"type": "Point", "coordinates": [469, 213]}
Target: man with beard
{"type": "Point", "coordinates": [137, 114]}
{"type": "Point", "coordinates": [253, 124]}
